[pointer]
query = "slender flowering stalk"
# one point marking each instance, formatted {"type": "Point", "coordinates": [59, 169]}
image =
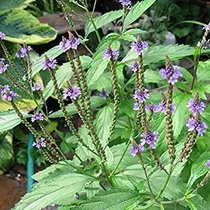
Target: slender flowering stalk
{"type": "Point", "coordinates": [112, 55]}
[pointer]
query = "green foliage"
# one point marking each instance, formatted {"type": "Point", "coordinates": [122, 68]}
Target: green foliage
{"type": "Point", "coordinates": [12, 4]}
{"type": "Point", "coordinates": [6, 151]}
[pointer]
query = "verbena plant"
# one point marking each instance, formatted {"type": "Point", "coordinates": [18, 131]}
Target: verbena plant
{"type": "Point", "coordinates": [131, 153]}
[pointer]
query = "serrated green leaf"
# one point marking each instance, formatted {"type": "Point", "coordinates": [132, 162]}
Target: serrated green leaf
{"type": "Point", "coordinates": [203, 72]}
{"type": "Point", "coordinates": [198, 168]}
{"type": "Point", "coordinates": [57, 191]}
{"type": "Point", "coordinates": [99, 64]}
{"type": "Point", "coordinates": [137, 10]}
{"type": "Point", "coordinates": [96, 102]}
{"type": "Point", "coordinates": [115, 199]}
{"type": "Point", "coordinates": [103, 122]}
{"type": "Point", "coordinates": [102, 20]}
{"type": "Point", "coordinates": [12, 4]}
{"type": "Point", "coordinates": [22, 27]}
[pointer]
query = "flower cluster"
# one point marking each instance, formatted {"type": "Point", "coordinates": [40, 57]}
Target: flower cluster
{"type": "Point", "coordinates": [195, 124]}
{"type": "Point", "coordinates": [41, 143]}
{"type": "Point", "coordinates": [2, 36]}
{"type": "Point", "coordinates": [37, 117]}
{"type": "Point", "coordinates": [7, 94]}
{"type": "Point", "coordinates": [148, 139]}
{"type": "Point", "coordinates": [49, 63]}
{"type": "Point", "coordinates": [3, 66]}
{"type": "Point", "coordinates": [36, 87]}
{"type": "Point", "coordinates": [104, 94]}
{"type": "Point", "coordinates": [134, 66]}
{"type": "Point", "coordinates": [208, 163]}
{"type": "Point", "coordinates": [111, 54]}
{"type": "Point", "coordinates": [141, 96]}
{"type": "Point", "coordinates": [172, 73]}
{"type": "Point", "coordinates": [73, 93]}
{"type": "Point", "coordinates": [125, 2]}
{"type": "Point", "coordinates": [206, 27]}
{"type": "Point", "coordinates": [70, 44]}
{"type": "Point", "coordinates": [196, 106]}
{"type": "Point", "coordinates": [23, 51]}
{"type": "Point", "coordinates": [139, 46]}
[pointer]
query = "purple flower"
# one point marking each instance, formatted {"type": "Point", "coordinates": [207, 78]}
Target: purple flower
{"type": "Point", "coordinates": [134, 66]}
{"type": "Point", "coordinates": [141, 96]}
{"type": "Point", "coordinates": [161, 107]}
{"type": "Point", "coordinates": [37, 117]}
{"type": "Point", "coordinates": [139, 46]}
{"type": "Point", "coordinates": [3, 66]}
{"type": "Point", "coordinates": [41, 143]}
{"type": "Point", "coordinates": [171, 73]}
{"type": "Point", "coordinates": [36, 87]}
{"type": "Point", "coordinates": [7, 94]}
{"type": "Point", "coordinates": [206, 27]}
{"type": "Point", "coordinates": [125, 2]}
{"type": "Point", "coordinates": [73, 93]}
{"type": "Point", "coordinates": [23, 51]}
{"type": "Point", "coordinates": [197, 125]}
{"type": "Point", "coordinates": [111, 54]}
{"type": "Point", "coordinates": [2, 36]}
{"type": "Point", "coordinates": [136, 106]}
{"type": "Point", "coordinates": [49, 63]}
{"type": "Point", "coordinates": [149, 138]}
{"type": "Point", "coordinates": [208, 163]}
{"type": "Point", "coordinates": [135, 149]}
{"type": "Point", "coordinates": [70, 44]}
{"type": "Point", "coordinates": [196, 106]}
{"type": "Point", "coordinates": [152, 107]}
{"type": "Point", "coordinates": [104, 94]}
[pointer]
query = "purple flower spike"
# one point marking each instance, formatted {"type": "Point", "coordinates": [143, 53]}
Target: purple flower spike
{"type": "Point", "coordinates": [171, 73]}
{"type": "Point", "coordinates": [139, 46]}
{"type": "Point", "coordinates": [73, 93]}
{"type": "Point", "coordinates": [23, 51]}
{"type": "Point", "coordinates": [111, 54]}
{"type": "Point", "coordinates": [149, 138]}
{"type": "Point", "coordinates": [208, 163]}
{"type": "Point", "coordinates": [37, 117]}
{"type": "Point", "coordinates": [141, 96]}
{"type": "Point", "coordinates": [152, 108]}
{"type": "Point", "coordinates": [3, 66]}
{"type": "Point", "coordinates": [134, 66]}
{"type": "Point", "coordinates": [206, 27]}
{"type": "Point", "coordinates": [136, 106]}
{"type": "Point", "coordinates": [104, 94]}
{"type": "Point", "coordinates": [135, 149]}
{"type": "Point", "coordinates": [49, 63]}
{"type": "Point", "coordinates": [162, 107]}
{"type": "Point", "coordinates": [7, 94]}
{"type": "Point", "coordinates": [36, 87]}
{"type": "Point", "coordinates": [125, 2]}
{"type": "Point", "coordinates": [40, 143]}
{"type": "Point", "coordinates": [2, 36]}
{"type": "Point", "coordinates": [196, 106]}
{"type": "Point", "coordinates": [70, 44]}
{"type": "Point", "coordinates": [197, 125]}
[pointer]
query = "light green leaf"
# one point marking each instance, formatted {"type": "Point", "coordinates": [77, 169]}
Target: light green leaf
{"type": "Point", "coordinates": [137, 10]}
{"type": "Point", "coordinates": [102, 20]}
{"type": "Point", "coordinates": [12, 4]}
{"type": "Point", "coordinates": [59, 190]}
{"type": "Point", "coordinates": [22, 27]}
{"type": "Point", "coordinates": [103, 122]}
{"type": "Point", "coordinates": [203, 71]}
{"type": "Point", "coordinates": [198, 168]}
{"type": "Point", "coordinates": [63, 74]}
{"type": "Point", "coordinates": [99, 64]}
{"type": "Point", "coordinates": [6, 151]}
{"type": "Point", "coordinates": [96, 102]}
{"type": "Point", "coordinates": [115, 199]}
